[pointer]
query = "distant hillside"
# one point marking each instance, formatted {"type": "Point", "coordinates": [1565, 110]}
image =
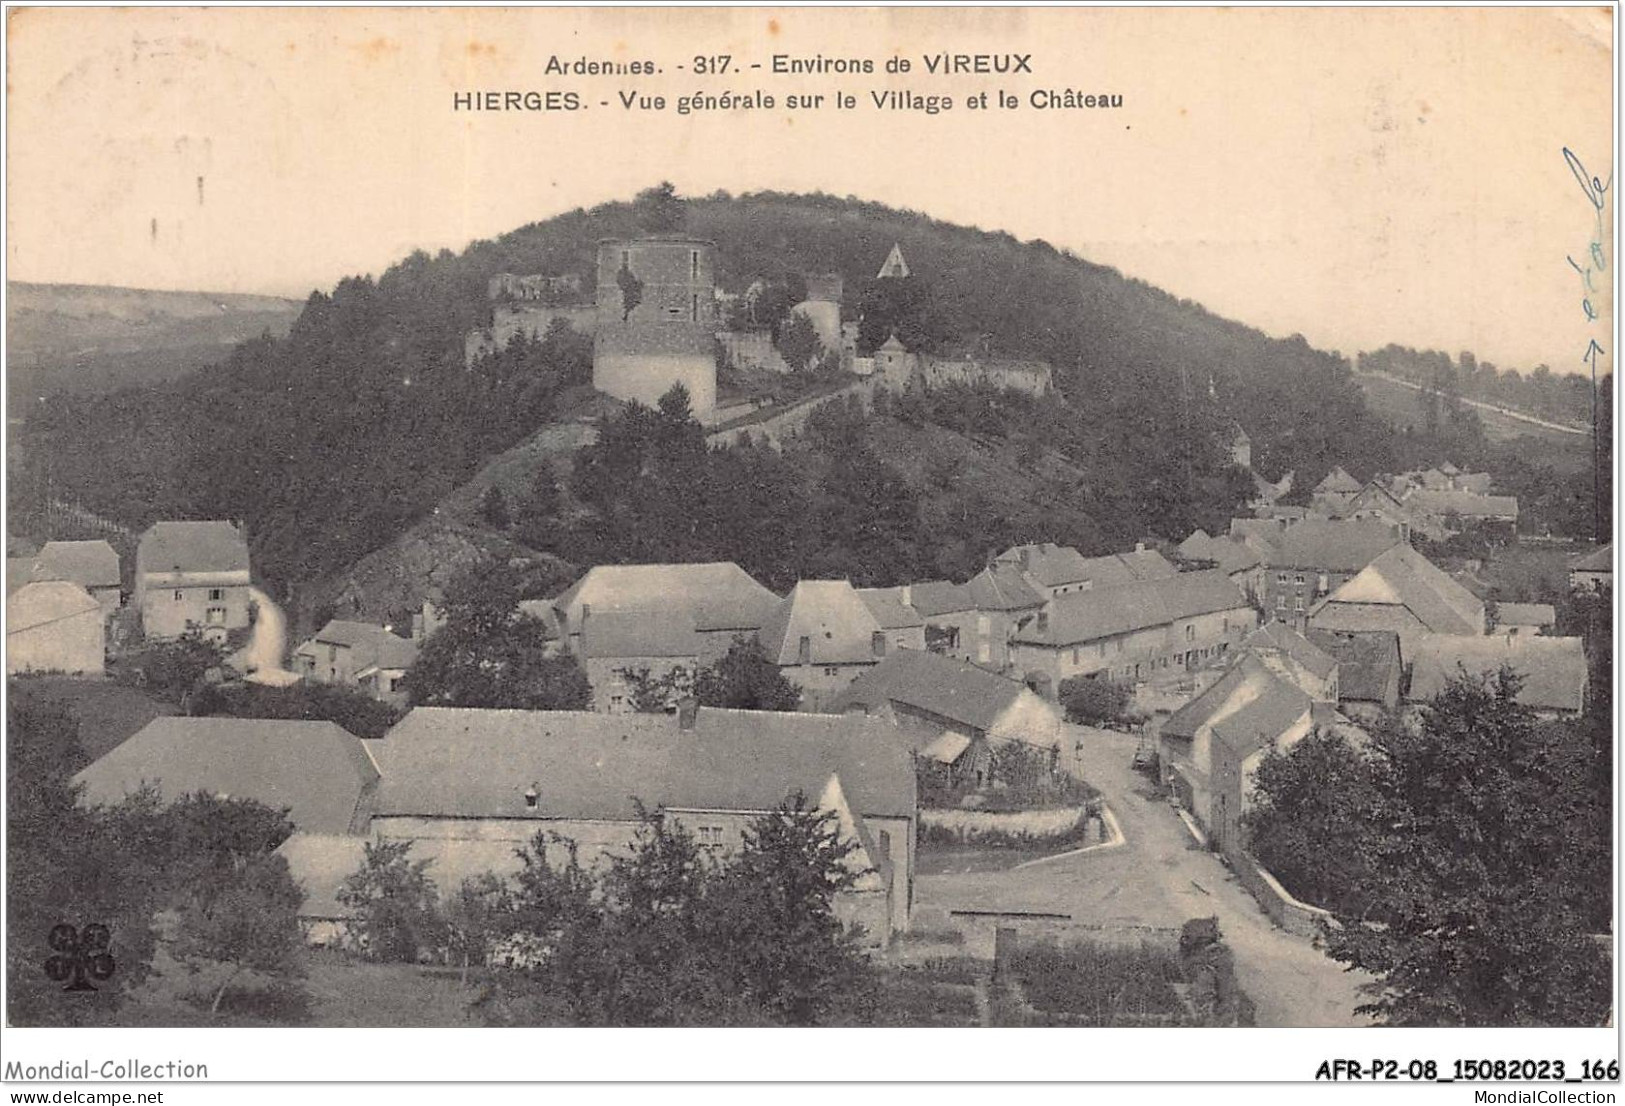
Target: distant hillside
{"type": "Point", "coordinates": [88, 338]}
{"type": "Point", "coordinates": [336, 440]}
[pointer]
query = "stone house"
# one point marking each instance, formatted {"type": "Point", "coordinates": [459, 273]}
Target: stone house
{"type": "Point", "coordinates": [1370, 671]}
{"type": "Point", "coordinates": [1594, 571]}
{"type": "Point", "coordinates": [927, 695]}
{"type": "Point", "coordinates": [1403, 592]}
{"type": "Point", "coordinates": [719, 600]}
{"type": "Point", "coordinates": [1312, 558]}
{"type": "Point", "coordinates": [657, 319]}
{"type": "Point", "coordinates": [1133, 632]}
{"type": "Point", "coordinates": [192, 575]}
{"type": "Point", "coordinates": [469, 787]}
{"type": "Point", "coordinates": [1525, 618]}
{"type": "Point", "coordinates": [93, 565]}
{"type": "Point", "coordinates": [894, 609]}
{"type": "Point", "coordinates": [359, 655]}
{"type": "Point", "coordinates": [822, 636]}
{"type": "Point", "coordinates": [619, 647]}
{"type": "Point", "coordinates": [55, 626]}
{"type": "Point", "coordinates": [1057, 570]}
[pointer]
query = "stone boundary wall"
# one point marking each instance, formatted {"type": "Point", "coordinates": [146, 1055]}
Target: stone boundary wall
{"type": "Point", "coordinates": [777, 424]}
{"type": "Point", "coordinates": [1294, 916]}
{"type": "Point", "coordinates": [1038, 824]}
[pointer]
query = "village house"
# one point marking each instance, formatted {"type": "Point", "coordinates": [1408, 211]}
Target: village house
{"type": "Point", "coordinates": [1376, 501]}
{"type": "Point", "coordinates": [192, 575]}
{"type": "Point", "coordinates": [974, 621]}
{"type": "Point", "coordinates": [359, 655]}
{"type": "Point", "coordinates": [1370, 671]}
{"type": "Point", "coordinates": [1314, 557]}
{"type": "Point", "coordinates": [1056, 570]}
{"type": "Point", "coordinates": [1457, 511]}
{"type": "Point", "coordinates": [894, 609]}
{"type": "Point", "coordinates": [718, 600]}
{"type": "Point", "coordinates": [1292, 656]}
{"type": "Point", "coordinates": [1210, 748]}
{"type": "Point", "coordinates": [1594, 571]}
{"type": "Point", "coordinates": [822, 635]}
{"type": "Point", "coordinates": [1133, 631]}
{"type": "Point", "coordinates": [1334, 492]}
{"type": "Point", "coordinates": [316, 771]}
{"type": "Point", "coordinates": [1403, 592]}
{"type": "Point", "coordinates": [470, 787]}
{"type": "Point", "coordinates": [320, 863]}
{"type": "Point", "coordinates": [1238, 558]}
{"type": "Point", "coordinates": [55, 626]}
{"type": "Point", "coordinates": [93, 565]}
{"type": "Point", "coordinates": [1551, 671]}
{"type": "Point", "coordinates": [620, 649]}
{"type": "Point", "coordinates": [952, 711]}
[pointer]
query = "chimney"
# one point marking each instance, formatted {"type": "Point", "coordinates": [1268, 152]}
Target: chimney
{"type": "Point", "coordinates": [1139, 547]}
{"type": "Point", "coordinates": [417, 627]}
{"type": "Point", "coordinates": [586, 612]}
{"type": "Point", "coordinates": [1024, 556]}
{"type": "Point", "coordinates": [1043, 622]}
{"type": "Point", "coordinates": [877, 642]}
{"type": "Point", "coordinates": [908, 595]}
{"type": "Point", "coordinates": [804, 651]}
{"type": "Point", "coordinates": [688, 709]}
{"type": "Point", "coordinates": [532, 795]}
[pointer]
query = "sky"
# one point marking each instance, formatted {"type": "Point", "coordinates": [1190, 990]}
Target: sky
{"type": "Point", "coordinates": [1359, 176]}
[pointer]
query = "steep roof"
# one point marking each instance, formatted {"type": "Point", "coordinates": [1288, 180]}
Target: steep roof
{"type": "Point", "coordinates": [1403, 577]}
{"type": "Point", "coordinates": [19, 571]}
{"type": "Point", "coordinates": [829, 613]}
{"type": "Point", "coordinates": [1465, 504]}
{"type": "Point", "coordinates": [1001, 587]}
{"type": "Point", "coordinates": [1106, 612]}
{"type": "Point", "coordinates": [894, 265]}
{"type": "Point", "coordinates": [1538, 615]}
{"type": "Point", "coordinates": [889, 609]}
{"type": "Point", "coordinates": [1553, 669]}
{"type": "Point", "coordinates": [44, 602]}
{"type": "Point", "coordinates": [640, 634]}
{"type": "Point", "coordinates": [1338, 480]}
{"type": "Point", "coordinates": [939, 597]}
{"type": "Point", "coordinates": [478, 763]}
{"type": "Point", "coordinates": [1058, 565]}
{"type": "Point", "coordinates": [213, 546]}
{"type": "Point", "coordinates": [1368, 663]}
{"type": "Point", "coordinates": [1598, 560]}
{"type": "Point", "coordinates": [1283, 638]}
{"type": "Point", "coordinates": [1248, 708]}
{"type": "Point", "coordinates": [320, 863]}
{"type": "Point", "coordinates": [91, 564]}
{"type": "Point", "coordinates": [1333, 545]}
{"type": "Point", "coordinates": [944, 686]}
{"type": "Point", "coordinates": [1230, 553]}
{"type": "Point", "coordinates": [721, 595]}
{"type": "Point", "coordinates": [315, 769]}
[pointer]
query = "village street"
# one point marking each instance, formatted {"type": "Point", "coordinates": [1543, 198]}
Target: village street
{"type": "Point", "coordinates": [1158, 879]}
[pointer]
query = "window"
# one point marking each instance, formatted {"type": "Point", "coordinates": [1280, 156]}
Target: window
{"type": "Point", "coordinates": [1190, 632]}
{"type": "Point", "coordinates": [1280, 601]}
{"type": "Point", "coordinates": [1280, 578]}
{"type": "Point", "coordinates": [983, 626]}
{"type": "Point", "coordinates": [694, 264]}
{"type": "Point", "coordinates": [1102, 648]}
{"type": "Point", "coordinates": [1298, 579]}
{"type": "Point", "coordinates": [216, 594]}
{"type": "Point", "coordinates": [831, 670]}
{"type": "Point", "coordinates": [1074, 654]}
{"type": "Point", "coordinates": [216, 616]}
{"type": "Point", "coordinates": [694, 308]}
{"type": "Point", "coordinates": [1118, 645]}
{"type": "Point", "coordinates": [709, 837]}
{"type": "Point", "coordinates": [1298, 604]}
{"type": "Point", "coordinates": [179, 595]}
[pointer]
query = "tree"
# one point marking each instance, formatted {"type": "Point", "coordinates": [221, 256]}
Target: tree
{"type": "Point", "coordinates": [1475, 809]}
{"type": "Point", "coordinates": [744, 678]}
{"type": "Point", "coordinates": [1310, 820]}
{"type": "Point", "coordinates": [174, 670]}
{"type": "Point", "coordinates": [659, 210]}
{"type": "Point", "coordinates": [490, 654]}
{"type": "Point", "coordinates": [245, 918]}
{"type": "Point", "coordinates": [478, 918]}
{"type": "Point", "coordinates": [798, 341]}
{"type": "Point", "coordinates": [397, 916]}
{"type": "Point", "coordinates": [1092, 700]}
{"type": "Point", "coordinates": [786, 951]}
{"type": "Point", "coordinates": [494, 508]}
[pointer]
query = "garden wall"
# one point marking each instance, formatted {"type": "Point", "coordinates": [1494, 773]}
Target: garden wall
{"type": "Point", "coordinates": [1284, 910]}
{"type": "Point", "coordinates": [1025, 827]}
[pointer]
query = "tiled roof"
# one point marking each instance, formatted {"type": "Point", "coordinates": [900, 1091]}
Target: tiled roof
{"type": "Point", "coordinates": [952, 689]}
{"type": "Point", "coordinates": [1001, 587]}
{"type": "Point", "coordinates": [1229, 553]}
{"type": "Point", "coordinates": [19, 571]}
{"type": "Point", "coordinates": [44, 602]}
{"type": "Point", "coordinates": [213, 546]}
{"type": "Point", "coordinates": [1368, 664]}
{"type": "Point", "coordinates": [1332, 546]}
{"type": "Point", "coordinates": [1445, 501]}
{"type": "Point", "coordinates": [833, 618]}
{"type": "Point", "coordinates": [640, 634]}
{"type": "Point", "coordinates": [441, 761]}
{"type": "Point", "coordinates": [1247, 709]}
{"type": "Point", "coordinates": [939, 597]}
{"type": "Point", "coordinates": [1280, 636]}
{"type": "Point", "coordinates": [1403, 577]}
{"type": "Point", "coordinates": [1058, 565]}
{"type": "Point", "coordinates": [1552, 669]}
{"type": "Point", "coordinates": [370, 645]}
{"type": "Point", "coordinates": [91, 564]}
{"type": "Point", "coordinates": [889, 609]}
{"type": "Point", "coordinates": [315, 769]}
{"type": "Point", "coordinates": [1106, 612]}
{"type": "Point", "coordinates": [720, 595]}
{"type": "Point", "coordinates": [1338, 480]}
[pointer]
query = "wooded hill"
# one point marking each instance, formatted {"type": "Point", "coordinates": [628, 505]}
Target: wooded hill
{"type": "Point", "coordinates": [336, 439]}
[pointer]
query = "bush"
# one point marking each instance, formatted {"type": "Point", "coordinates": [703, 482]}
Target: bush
{"type": "Point", "coordinates": [1093, 700]}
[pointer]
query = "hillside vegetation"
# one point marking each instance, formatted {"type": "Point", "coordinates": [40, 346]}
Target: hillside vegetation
{"type": "Point", "coordinates": [335, 440]}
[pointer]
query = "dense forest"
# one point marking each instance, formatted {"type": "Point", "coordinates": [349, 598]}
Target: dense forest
{"type": "Point", "coordinates": [334, 440]}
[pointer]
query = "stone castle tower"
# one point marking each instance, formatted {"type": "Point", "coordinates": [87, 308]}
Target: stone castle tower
{"type": "Point", "coordinates": [657, 320]}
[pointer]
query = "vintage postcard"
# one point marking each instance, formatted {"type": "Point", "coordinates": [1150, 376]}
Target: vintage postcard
{"type": "Point", "coordinates": [568, 519]}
